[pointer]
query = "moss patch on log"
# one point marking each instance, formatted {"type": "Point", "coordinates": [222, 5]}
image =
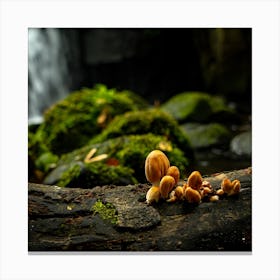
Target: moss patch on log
{"type": "Point", "coordinates": [106, 211]}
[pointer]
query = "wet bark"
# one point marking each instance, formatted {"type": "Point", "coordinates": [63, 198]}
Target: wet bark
{"type": "Point", "coordinates": [116, 218]}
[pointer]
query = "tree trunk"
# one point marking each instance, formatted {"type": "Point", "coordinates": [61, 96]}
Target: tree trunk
{"type": "Point", "coordinates": [117, 218]}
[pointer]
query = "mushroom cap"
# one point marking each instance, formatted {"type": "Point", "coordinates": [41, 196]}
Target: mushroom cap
{"type": "Point", "coordinates": [195, 180]}
{"type": "Point", "coordinates": [226, 185]}
{"type": "Point", "coordinates": [231, 188]}
{"type": "Point", "coordinates": [166, 185]}
{"type": "Point", "coordinates": [236, 186]}
{"type": "Point", "coordinates": [156, 166]}
{"type": "Point", "coordinates": [174, 172]}
{"type": "Point", "coordinates": [191, 195]}
{"type": "Point", "coordinates": [179, 192]}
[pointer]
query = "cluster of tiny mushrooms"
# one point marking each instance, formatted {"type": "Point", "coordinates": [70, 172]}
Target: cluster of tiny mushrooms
{"type": "Point", "coordinates": [164, 179]}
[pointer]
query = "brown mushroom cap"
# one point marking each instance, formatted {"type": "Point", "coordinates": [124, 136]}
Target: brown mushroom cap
{"type": "Point", "coordinates": [195, 180]}
{"type": "Point", "coordinates": [192, 196]}
{"type": "Point", "coordinates": [231, 188]}
{"type": "Point", "coordinates": [174, 172]}
{"type": "Point", "coordinates": [166, 185]}
{"type": "Point", "coordinates": [156, 166]}
{"type": "Point", "coordinates": [179, 192]}
{"type": "Point", "coordinates": [226, 185]}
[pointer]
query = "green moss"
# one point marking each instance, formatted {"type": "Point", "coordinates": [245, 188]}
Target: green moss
{"type": "Point", "coordinates": [135, 149]}
{"type": "Point", "coordinates": [95, 174]}
{"type": "Point", "coordinates": [71, 122]}
{"type": "Point", "coordinates": [98, 173]}
{"type": "Point", "coordinates": [128, 153]}
{"type": "Point", "coordinates": [46, 161]}
{"type": "Point", "coordinates": [142, 122]}
{"type": "Point", "coordinates": [106, 211]}
{"type": "Point", "coordinates": [195, 106]}
{"type": "Point", "coordinates": [70, 175]}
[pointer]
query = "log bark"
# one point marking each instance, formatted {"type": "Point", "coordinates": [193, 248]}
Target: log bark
{"type": "Point", "coordinates": [116, 218]}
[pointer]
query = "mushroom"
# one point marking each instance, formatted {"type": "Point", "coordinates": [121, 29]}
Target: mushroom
{"type": "Point", "coordinates": [156, 166]}
{"type": "Point", "coordinates": [220, 192]}
{"type": "Point", "coordinates": [191, 195]}
{"type": "Point", "coordinates": [177, 194]}
{"type": "Point", "coordinates": [152, 195]}
{"type": "Point", "coordinates": [214, 198]}
{"type": "Point", "coordinates": [230, 188]}
{"type": "Point", "coordinates": [174, 172]}
{"type": "Point", "coordinates": [166, 185]}
{"type": "Point", "coordinates": [206, 189]}
{"type": "Point", "coordinates": [195, 180]}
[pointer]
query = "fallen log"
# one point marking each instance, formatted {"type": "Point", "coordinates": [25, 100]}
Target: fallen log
{"type": "Point", "coordinates": [117, 218]}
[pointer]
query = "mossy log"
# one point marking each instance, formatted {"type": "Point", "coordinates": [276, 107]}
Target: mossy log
{"type": "Point", "coordinates": [117, 218]}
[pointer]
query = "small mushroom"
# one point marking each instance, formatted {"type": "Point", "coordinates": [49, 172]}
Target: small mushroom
{"type": "Point", "coordinates": [191, 195]}
{"type": "Point", "coordinates": [156, 166]}
{"type": "Point", "coordinates": [220, 192]}
{"type": "Point", "coordinates": [214, 198]}
{"type": "Point", "coordinates": [166, 185]}
{"type": "Point", "coordinates": [206, 184]}
{"type": "Point", "coordinates": [153, 195]}
{"type": "Point", "coordinates": [195, 180]}
{"type": "Point", "coordinates": [177, 194]}
{"type": "Point", "coordinates": [236, 185]}
{"type": "Point", "coordinates": [230, 188]}
{"type": "Point", "coordinates": [205, 191]}
{"type": "Point", "coordinates": [174, 172]}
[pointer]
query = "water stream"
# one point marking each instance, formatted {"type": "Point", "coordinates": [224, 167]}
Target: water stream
{"type": "Point", "coordinates": [48, 72]}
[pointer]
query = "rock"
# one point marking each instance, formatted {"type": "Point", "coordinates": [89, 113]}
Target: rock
{"type": "Point", "coordinates": [123, 165]}
{"type": "Point", "coordinates": [153, 121]}
{"type": "Point", "coordinates": [111, 218]}
{"type": "Point", "coordinates": [46, 161]}
{"type": "Point", "coordinates": [206, 135]}
{"type": "Point", "coordinates": [83, 175]}
{"type": "Point", "coordinates": [56, 174]}
{"type": "Point", "coordinates": [73, 121]}
{"type": "Point", "coordinates": [197, 107]}
{"type": "Point", "coordinates": [241, 144]}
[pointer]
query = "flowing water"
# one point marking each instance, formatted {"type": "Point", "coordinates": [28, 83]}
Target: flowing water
{"type": "Point", "coordinates": [48, 79]}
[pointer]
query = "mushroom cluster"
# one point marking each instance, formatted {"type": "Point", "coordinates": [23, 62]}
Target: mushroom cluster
{"type": "Point", "coordinates": [164, 179]}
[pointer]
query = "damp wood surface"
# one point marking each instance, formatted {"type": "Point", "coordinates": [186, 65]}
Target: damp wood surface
{"type": "Point", "coordinates": [117, 218]}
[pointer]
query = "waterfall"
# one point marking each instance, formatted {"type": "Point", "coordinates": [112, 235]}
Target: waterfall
{"type": "Point", "coordinates": [48, 73]}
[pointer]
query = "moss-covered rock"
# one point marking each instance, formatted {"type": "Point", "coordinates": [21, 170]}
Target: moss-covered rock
{"type": "Point", "coordinates": [207, 135]}
{"type": "Point", "coordinates": [124, 163]}
{"type": "Point", "coordinates": [153, 121]}
{"type": "Point", "coordinates": [38, 156]}
{"type": "Point", "coordinates": [46, 161]}
{"type": "Point", "coordinates": [71, 122]}
{"type": "Point", "coordinates": [95, 174]}
{"type": "Point", "coordinates": [197, 107]}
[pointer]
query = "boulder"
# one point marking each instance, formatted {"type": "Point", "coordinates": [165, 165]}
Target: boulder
{"type": "Point", "coordinates": [153, 121]}
{"type": "Point", "coordinates": [207, 135]}
{"type": "Point", "coordinates": [73, 121]}
{"type": "Point", "coordinates": [117, 161]}
{"type": "Point", "coordinates": [241, 144]}
{"type": "Point", "coordinates": [198, 107]}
